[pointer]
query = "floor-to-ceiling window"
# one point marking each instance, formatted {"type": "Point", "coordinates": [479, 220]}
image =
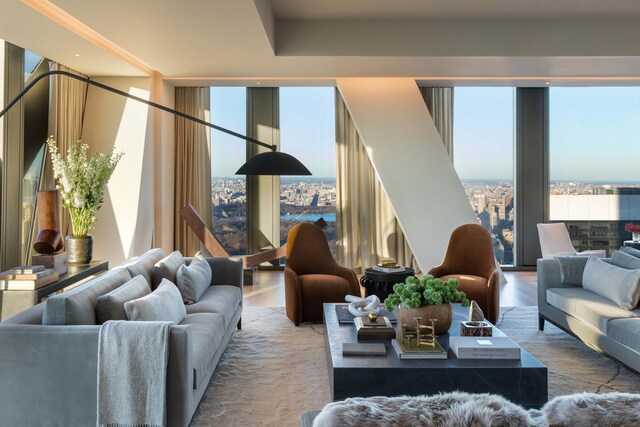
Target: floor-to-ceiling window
{"type": "Point", "coordinates": [307, 131]}
{"type": "Point", "coordinates": [595, 185]}
{"type": "Point", "coordinates": [483, 157]}
{"type": "Point", "coordinates": [228, 153]}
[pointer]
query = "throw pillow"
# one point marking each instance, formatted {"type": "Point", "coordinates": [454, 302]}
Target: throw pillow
{"type": "Point", "coordinates": [193, 280]}
{"type": "Point", "coordinates": [631, 251]}
{"type": "Point", "coordinates": [111, 306]}
{"type": "Point", "coordinates": [624, 260]}
{"type": "Point", "coordinates": [571, 269]}
{"type": "Point", "coordinates": [166, 268]}
{"type": "Point", "coordinates": [164, 305]}
{"type": "Point", "coordinates": [617, 284]}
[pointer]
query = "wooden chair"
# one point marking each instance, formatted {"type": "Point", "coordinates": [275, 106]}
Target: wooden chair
{"type": "Point", "coordinates": [311, 275]}
{"type": "Point", "coordinates": [470, 260]}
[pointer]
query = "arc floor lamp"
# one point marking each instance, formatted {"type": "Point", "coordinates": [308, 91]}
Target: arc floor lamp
{"type": "Point", "coordinates": [269, 163]}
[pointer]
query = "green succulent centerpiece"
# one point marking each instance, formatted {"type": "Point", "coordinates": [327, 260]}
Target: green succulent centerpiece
{"type": "Point", "coordinates": [427, 290]}
{"type": "Point", "coordinates": [428, 298]}
{"type": "Point", "coordinates": [81, 182]}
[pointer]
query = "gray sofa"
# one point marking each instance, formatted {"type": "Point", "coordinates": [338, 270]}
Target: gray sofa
{"type": "Point", "coordinates": [48, 373]}
{"type": "Point", "coordinates": [595, 320]}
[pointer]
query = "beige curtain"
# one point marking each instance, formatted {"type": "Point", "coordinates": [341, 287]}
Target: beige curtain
{"type": "Point", "coordinates": [366, 223]}
{"type": "Point", "coordinates": [67, 101]}
{"type": "Point", "coordinates": [439, 101]}
{"type": "Point", "coordinates": [193, 165]}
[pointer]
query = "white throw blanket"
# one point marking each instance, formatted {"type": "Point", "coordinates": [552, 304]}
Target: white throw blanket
{"type": "Point", "coordinates": [132, 373]}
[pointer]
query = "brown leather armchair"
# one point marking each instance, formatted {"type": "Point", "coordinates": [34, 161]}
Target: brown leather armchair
{"type": "Point", "coordinates": [311, 275]}
{"type": "Point", "coordinates": [470, 260]}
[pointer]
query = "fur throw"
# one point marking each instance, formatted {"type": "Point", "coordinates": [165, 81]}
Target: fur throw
{"type": "Point", "coordinates": [590, 409]}
{"type": "Point", "coordinates": [440, 410]}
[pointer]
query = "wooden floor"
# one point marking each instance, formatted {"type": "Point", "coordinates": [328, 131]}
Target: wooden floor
{"type": "Point", "coordinates": [268, 289]}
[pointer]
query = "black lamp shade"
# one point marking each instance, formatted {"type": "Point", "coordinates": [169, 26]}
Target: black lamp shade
{"type": "Point", "coordinates": [273, 163]}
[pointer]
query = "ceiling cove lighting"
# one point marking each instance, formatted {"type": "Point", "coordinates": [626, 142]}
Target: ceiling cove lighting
{"type": "Point", "coordinates": [268, 163]}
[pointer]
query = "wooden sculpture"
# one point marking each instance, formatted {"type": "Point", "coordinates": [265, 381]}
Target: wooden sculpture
{"type": "Point", "coordinates": [49, 239]}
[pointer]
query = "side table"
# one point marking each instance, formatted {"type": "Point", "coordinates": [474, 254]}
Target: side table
{"type": "Point", "coordinates": [632, 244]}
{"type": "Point", "coordinates": [14, 302]}
{"type": "Point", "coordinates": [381, 284]}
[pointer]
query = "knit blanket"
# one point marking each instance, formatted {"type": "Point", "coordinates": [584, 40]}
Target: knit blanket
{"type": "Point", "coordinates": [132, 373]}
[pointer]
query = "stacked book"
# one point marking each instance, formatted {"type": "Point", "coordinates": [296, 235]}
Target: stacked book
{"type": "Point", "coordinates": [422, 351]}
{"type": "Point", "coordinates": [388, 265]}
{"type": "Point", "coordinates": [27, 278]}
{"type": "Point", "coordinates": [378, 330]}
{"type": "Point", "coordinates": [484, 348]}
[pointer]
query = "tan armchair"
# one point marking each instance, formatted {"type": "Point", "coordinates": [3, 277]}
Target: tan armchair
{"type": "Point", "coordinates": [311, 275]}
{"type": "Point", "coordinates": [470, 260]}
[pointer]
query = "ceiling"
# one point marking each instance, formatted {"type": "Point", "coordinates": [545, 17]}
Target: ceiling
{"type": "Point", "coordinates": [305, 41]}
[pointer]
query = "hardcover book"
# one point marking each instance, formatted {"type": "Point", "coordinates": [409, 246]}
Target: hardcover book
{"type": "Point", "coordinates": [360, 349]}
{"type": "Point", "coordinates": [404, 351]}
{"type": "Point", "coordinates": [25, 269]}
{"type": "Point", "coordinates": [484, 348]}
{"type": "Point", "coordinates": [344, 316]}
{"type": "Point", "coordinates": [28, 285]}
{"type": "Point", "coordinates": [12, 275]}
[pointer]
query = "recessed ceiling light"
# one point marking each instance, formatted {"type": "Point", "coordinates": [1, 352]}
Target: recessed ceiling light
{"type": "Point", "coordinates": [258, 83]}
{"type": "Point", "coordinates": [546, 83]}
{"type": "Point", "coordinates": [77, 55]}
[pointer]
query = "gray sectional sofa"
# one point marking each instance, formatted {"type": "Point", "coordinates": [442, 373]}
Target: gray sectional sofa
{"type": "Point", "coordinates": [597, 321]}
{"type": "Point", "coordinates": [48, 372]}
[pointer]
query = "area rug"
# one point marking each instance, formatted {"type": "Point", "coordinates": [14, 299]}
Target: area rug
{"type": "Point", "coordinates": [273, 371]}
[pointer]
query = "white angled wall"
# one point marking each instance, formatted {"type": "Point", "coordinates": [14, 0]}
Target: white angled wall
{"type": "Point", "coordinates": [408, 156]}
{"type": "Point", "coordinates": [124, 224]}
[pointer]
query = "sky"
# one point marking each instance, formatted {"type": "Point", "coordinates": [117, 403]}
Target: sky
{"type": "Point", "coordinates": [307, 128]}
{"type": "Point", "coordinates": [594, 133]}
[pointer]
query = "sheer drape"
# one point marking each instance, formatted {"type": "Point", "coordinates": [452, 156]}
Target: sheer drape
{"type": "Point", "coordinates": [439, 101]}
{"type": "Point", "coordinates": [193, 165]}
{"type": "Point", "coordinates": [67, 101]}
{"type": "Point", "coordinates": [366, 223]}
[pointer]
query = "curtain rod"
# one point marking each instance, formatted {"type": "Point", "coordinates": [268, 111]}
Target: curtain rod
{"type": "Point", "coordinates": [136, 98]}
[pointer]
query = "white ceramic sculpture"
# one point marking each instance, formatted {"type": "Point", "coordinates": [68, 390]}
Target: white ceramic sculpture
{"type": "Point", "coordinates": [360, 307]}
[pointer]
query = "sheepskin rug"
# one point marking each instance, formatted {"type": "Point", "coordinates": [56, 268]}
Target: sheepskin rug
{"type": "Point", "coordinates": [441, 410]}
{"type": "Point", "coordinates": [590, 409]}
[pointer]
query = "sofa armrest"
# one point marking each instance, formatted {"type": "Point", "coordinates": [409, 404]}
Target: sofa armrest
{"type": "Point", "coordinates": [226, 271]}
{"type": "Point", "coordinates": [548, 277]}
{"type": "Point", "coordinates": [48, 374]}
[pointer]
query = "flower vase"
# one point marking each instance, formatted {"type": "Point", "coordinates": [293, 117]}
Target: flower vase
{"type": "Point", "coordinates": [442, 312]}
{"type": "Point", "coordinates": [635, 236]}
{"type": "Point", "coordinates": [79, 249]}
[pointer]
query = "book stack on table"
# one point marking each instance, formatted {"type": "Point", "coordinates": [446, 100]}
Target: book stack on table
{"type": "Point", "coordinates": [484, 348]}
{"type": "Point", "coordinates": [27, 278]}
{"type": "Point", "coordinates": [378, 330]}
{"type": "Point", "coordinates": [388, 265]}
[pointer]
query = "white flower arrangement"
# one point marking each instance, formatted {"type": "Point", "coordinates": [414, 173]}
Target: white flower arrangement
{"type": "Point", "coordinates": [81, 181]}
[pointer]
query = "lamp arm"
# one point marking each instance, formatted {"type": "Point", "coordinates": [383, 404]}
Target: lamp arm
{"type": "Point", "coordinates": [135, 98]}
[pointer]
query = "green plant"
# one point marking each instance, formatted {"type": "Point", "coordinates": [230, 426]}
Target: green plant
{"type": "Point", "coordinates": [81, 182]}
{"type": "Point", "coordinates": [427, 290]}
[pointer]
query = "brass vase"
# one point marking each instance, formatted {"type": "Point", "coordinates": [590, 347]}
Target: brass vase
{"type": "Point", "coordinates": [442, 312]}
{"type": "Point", "coordinates": [79, 249]}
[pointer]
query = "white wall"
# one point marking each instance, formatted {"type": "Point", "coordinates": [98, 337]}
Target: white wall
{"type": "Point", "coordinates": [124, 224]}
{"type": "Point", "coordinates": [410, 159]}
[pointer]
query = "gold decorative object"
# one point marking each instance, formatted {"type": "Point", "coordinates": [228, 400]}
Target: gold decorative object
{"type": "Point", "coordinates": [373, 316]}
{"type": "Point", "coordinates": [419, 335]}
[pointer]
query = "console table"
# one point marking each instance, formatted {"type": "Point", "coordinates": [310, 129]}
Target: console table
{"type": "Point", "coordinates": [632, 244]}
{"type": "Point", "coordinates": [13, 302]}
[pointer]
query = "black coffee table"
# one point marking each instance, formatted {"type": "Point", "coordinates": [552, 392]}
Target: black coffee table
{"type": "Point", "coordinates": [521, 381]}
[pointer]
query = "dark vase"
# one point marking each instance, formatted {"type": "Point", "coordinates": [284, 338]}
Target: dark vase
{"type": "Point", "coordinates": [79, 249]}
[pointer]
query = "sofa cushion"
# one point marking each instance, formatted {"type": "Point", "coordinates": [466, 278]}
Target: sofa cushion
{"type": "Point", "coordinates": [619, 285]}
{"type": "Point", "coordinates": [163, 304]}
{"type": "Point", "coordinates": [143, 264]}
{"type": "Point", "coordinates": [207, 331]}
{"type": "Point", "coordinates": [110, 306]}
{"type": "Point", "coordinates": [220, 299]}
{"type": "Point", "coordinates": [631, 251]}
{"type": "Point", "coordinates": [587, 306]}
{"type": "Point", "coordinates": [194, 279]}
{"type": "Point", "coordinates": [572, 269]}
{"type": "Point", "coordinates": [624, 260]}
{"type": "Point", "coordinates": [625, 332]}
{"type": "Point", "coordinates": [166, 268]}
{"type": "Point", "coordinates": [78, 305]}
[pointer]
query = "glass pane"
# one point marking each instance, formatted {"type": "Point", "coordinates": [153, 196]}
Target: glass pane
{"type": "Point", "coordinates": [30, 185]}
{"type": "Point", "coordinates": [307, 131]}
{"type": "Point", "coordinates": [595, 188]}
{"type": "Point", "coordinates": [31, 61]}
{"type": "Point", "coordinates": [483, 157]}
{"type": "Point", "coordinates": [228, 153]}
